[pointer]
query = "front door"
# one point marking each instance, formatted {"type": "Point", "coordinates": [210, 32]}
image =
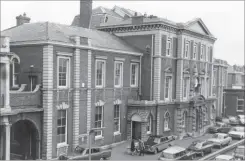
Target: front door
{"type": "Point", "coordinates": [136, 130]}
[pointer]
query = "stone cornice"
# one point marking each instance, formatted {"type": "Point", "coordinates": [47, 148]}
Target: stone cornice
{"type": "Point", "coordinates": [154, 26]}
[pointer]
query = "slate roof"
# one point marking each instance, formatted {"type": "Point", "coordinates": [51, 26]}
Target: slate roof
{"type": "Point", "coordinates": [61, 33]}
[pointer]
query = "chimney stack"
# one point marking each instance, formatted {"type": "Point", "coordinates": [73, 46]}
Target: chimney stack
{"type": "Point", "coordinates": [85, 13]}
{"type": "Point", "coordinates": [20, 20]}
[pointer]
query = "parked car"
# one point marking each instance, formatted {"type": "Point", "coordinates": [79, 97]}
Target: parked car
{"type": "Point", "coordinates": [156, 143]}
{"type": "Point", "coordinates": [233, 120]}
{"type": "Point", "coordinates": [177, 153]}
{"type": "Point", "coordinates": [241, 119]}
{"type": "Point", "coordinates": [237, 132]}
{"type": "Point", "coordinates": [220, 139]}
{"type": "Point", "coordinates": [220, 127]}
{"type": "Point", "coordinates": [218, 119]}
{"type": "Point", "coordinates": [239, 152]}
{"type": "Point", "coordinates": [82, 153]}
{"type": "Point", "coordinates": [224, 157]}
{"type": "Point", "coordinates": [201, 147]}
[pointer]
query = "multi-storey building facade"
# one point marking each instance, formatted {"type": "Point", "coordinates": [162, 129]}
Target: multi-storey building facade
{"type": "Point", "coordinates": [150, 76]}
{"type": "Point", "coordinates": [236, 77]}
{"type": "Point", "coordinates": [219, 84]}
{"type": "Point", "coordinates": [178, 71]}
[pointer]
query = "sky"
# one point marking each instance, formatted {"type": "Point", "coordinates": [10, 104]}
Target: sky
{"type": "Point", "coordinates": [224, 19]}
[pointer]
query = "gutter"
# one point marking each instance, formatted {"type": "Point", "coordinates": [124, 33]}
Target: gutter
{"type": "Point", "coordinates": [43, 42]}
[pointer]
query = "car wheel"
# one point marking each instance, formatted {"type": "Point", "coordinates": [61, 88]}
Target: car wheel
{"type": "Point", "coordinates": [156, 151]}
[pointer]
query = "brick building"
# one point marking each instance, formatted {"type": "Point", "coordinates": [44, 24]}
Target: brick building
{"type": "Point", "coordinates": [150, 76]}
{"type": "Point", "coordinates": [219, 84]}
{"type": "Point", "coordinates": [234, 102]}
{"type": "Point", "coordinates": [236, 77]}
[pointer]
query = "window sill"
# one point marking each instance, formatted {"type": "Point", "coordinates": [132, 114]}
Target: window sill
{"type": "Point", "coordinates": [117, 86]}
{"type": "Point", "coordinates": [133, 86]}
{"type": "Point", "coordinates": [61, 87]}
{"type": "Point", "coordinates": [117, 133]}
{"type": "Point", "coordinates": [149, 132]}
{"type": "Point", "coordinates": [15, 86]}
{"type": "Point", "coordinates": [166, 130]}
{"type": "Point", "coordinates": [61, 145]}
{"type": "Point", "coordinates": [100, 137]}
{"type": "Point", "coordinates": [239, 110]}
{"type": "Point", "coordinates": [99, 87]}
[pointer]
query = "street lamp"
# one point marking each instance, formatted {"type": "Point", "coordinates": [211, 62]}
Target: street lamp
{"type": "Point", "coordinates": [93, 130]}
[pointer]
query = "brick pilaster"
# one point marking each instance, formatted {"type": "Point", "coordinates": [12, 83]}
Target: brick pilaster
{"type": "Point", "coordinates": [179, 76]}
{"type": "Point", "coordinates": [158, 123]}
{"type": "Point", "coordinates": [76, 94]}
{"type": "Point", "coordinates": [47, 101]}
{"type": "Point", "coordinates": [88, 117]}
{"type": "Point", "coordinates": [179, 121]}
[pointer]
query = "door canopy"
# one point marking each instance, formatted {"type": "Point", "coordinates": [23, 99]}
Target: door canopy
{"type": "Point", "coordinates": [136, 118]}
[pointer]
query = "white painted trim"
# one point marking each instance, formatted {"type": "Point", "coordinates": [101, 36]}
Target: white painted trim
{"type": "Point", "coordinates": [101, 57]}
{"type": "Point", "coordinates": [195, 51]}
{"type": "Point", "coordinates": [67, 74]}
{"type": "Point", "coordinates": [102, 122]}
{"type": "Point", "coordinates": [136, 33]}
{"type": "Point", "coordinates": [75, 46]}
{"type": "Point", "coordinates": [59, 145]}
{"type": "Point", "coordinates": [64, 54]}
{"type": "Point", "coordinates": [187, 43]}
{"type": "Point", "coordinates": [137, 75]}
{"type": "Point", "coordinates": [170, 87]}
{"type": "Point", "coordinates": [117, 102]}
{"type": "Point", "coordinates": [119, 59]}
{"type": "Point", "coordinates": [121, 74]}
{"type": "Point", "coordinates": [62, 106]}
{"type": "Point", "coordinates": [171, 46]}
{"type": "Point", "coordinates": [135, 60]}
{"type": "Point", "coordinates": [103, 74]}
{"type": "Point", "coordinates": [118, 132]}
{"type": "Point", "coordinates": [100, 103]}
{"type": "Point", "coordinates": [13, 74]}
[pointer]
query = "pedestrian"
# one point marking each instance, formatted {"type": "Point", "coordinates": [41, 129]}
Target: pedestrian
{"type": "Point", "coordinates": [141, 147]}
{"type": "Point", "coordinates": [132, 146]}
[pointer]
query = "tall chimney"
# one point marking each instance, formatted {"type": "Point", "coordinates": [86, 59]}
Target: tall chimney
{"type": "Point", "coordinates": [22, 19]}
{"type": "Point", "coordinates": [85, 13]}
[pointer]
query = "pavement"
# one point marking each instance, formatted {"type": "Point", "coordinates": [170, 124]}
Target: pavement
{"type": "Point", "coordinates": [118, 152]}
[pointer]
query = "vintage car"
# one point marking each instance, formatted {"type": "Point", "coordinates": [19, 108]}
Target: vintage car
{"type": "Point", "coordinates": [220, 139]}
{"type": "Point", "coordinates": [220, 127]}
{"type": "Point", "coordinates": [241, 119]}
{"type": "Point", "coordinates": [155, 144]}
{"type": "Point", "coordinates": [201, 147]}
{"type": "Point", "coordinates": [237, 132]}
{"type": "Point", "coordinates": [82, 153]}
{"type": "Point", "coordinates": [224, 157]}
{"type": "Point", "coordinates": [225, 120]}
{"type": "Point", "coordinates": [233, 120]}
{"type": "Point", "coordinates": [239, 152]}
{"type": "Point", "coordinates": [177, 153]}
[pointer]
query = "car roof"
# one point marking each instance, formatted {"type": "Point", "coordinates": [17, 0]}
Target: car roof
{"type": "Point", "coordinates": [224, 157]}
{"type": "Point", "coordinates": [222, 134]}
{"type": "Point", "coordinates": [174, 150]}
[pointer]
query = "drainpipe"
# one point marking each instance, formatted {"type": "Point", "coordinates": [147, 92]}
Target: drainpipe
{"type": "Point", "coordinates": [151, 66]}
{"type": "Point", "coordinates": [140, 77]}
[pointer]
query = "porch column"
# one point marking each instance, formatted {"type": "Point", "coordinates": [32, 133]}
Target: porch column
{"type": "Point", "coordinates": [7, 141]}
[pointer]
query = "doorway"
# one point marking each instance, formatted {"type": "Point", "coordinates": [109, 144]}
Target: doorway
{"type": "Point", "coordinates": [136, 130]}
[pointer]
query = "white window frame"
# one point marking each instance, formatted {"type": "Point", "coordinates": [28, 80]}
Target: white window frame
{"type": "Point", "coordinates": [238, 99]}
{"type": "Point", "coordinates": [14, 74]}
{"type": "Point", "coordinates": [184, 119]}
{"type": "Point", "coordinates": [103, 73]}
{"type": "Point", "coordinates": [194, 50]}
{"type": "Point", "coordinates": [117, 132]}
{"type": "Point", "coordinates": [202, 52]}
{"type": "Point", "coordinates": [187, 49]}
{"type": "Point", "coordinates": [169, 87]}
{"type": "Point", "coordinates": [67, 74]}
{"type": "Point", "coordinates": [214, 77]}
{"type": "Point", "coordinates": [136, 75]}
{"type": "Point", "coordinates": [187, 87]}
{"type": "Point", "coordinates": [165, 122]}
{"type": "Point", "coordinates": [169, 41]}
{"type": "Point", "coordinates": [150, 124]}
{"type": "Point", "coordinates": [100, 136]}
{"type": "Point", "coordinates": [208, 52]}
{"type": "Point", "coordinates": [63, 143]}
{"type": "Point", "coordinates": [121, 74]}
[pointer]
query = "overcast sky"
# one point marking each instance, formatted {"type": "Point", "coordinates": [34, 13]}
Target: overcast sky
{"type": "Point", "coordinates": [225, 19]}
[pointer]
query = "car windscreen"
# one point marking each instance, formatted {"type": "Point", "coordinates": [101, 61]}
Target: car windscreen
{"type": "Point", "coordinates": [168, 155]}
{"type": "Point", "coordinates": [79, 150]}
{"type": "Point", "coordinates": [153, 139]}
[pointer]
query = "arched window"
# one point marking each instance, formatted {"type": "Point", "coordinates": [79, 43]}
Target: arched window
{"type": "Point", "coordinates": [15, 73]}
{"type": "Point", "coordinates": [149, 125]}
{"type": "Point", "coordinates": [166, 121]}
